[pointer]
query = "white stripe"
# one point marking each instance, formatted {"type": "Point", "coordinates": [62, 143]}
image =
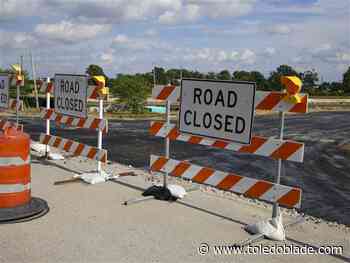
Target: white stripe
{"type": "Point", "coordinates": [268, 147]}
{"type": "Point", "coordinates": [170, 165]}
{"type": "Point", "coordinates": [100, 154]}
{"type": "Point", "coordinates": [6, 161]}
{"type": "Point", "coordinates": [13, 188]}
{"type": "Point", "coordinates": [216, 178]}
{"type": "Point", "coordinates": [207, 141]}
{"type": "Point", "coordinates": [243, 185]}
{"type": "Point", "coordinates": [88, 122]}
{"type": "Point", "coordinates": [233, 146]}
{"type": "Point", "coordinates": [85, 150]}
{"type": "Point", "coordinates": [298, 155]}
{"type": "Point", "coordinates": [191, 171]}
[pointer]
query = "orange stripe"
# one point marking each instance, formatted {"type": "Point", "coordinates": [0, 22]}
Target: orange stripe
{"type": "Point", "coordinates": [67, 145]}
{"type": "Point", "coordinates": [95, 123]}
{"type": "Point", "coordinates": [173, 134]}
{"type": "Point", "coordinates": [104, 158]}
{"type": "Point", "coordinates": [92, 153]}
{"type": "Point", "coordinates": [94, 94]}
{"type": "Point", "coordinates": [195, 139]}
{"type": "Point", "coordinates": [229, 181]}
{"type": "Point", "coordinates": [165, 92]}
{"type": "Point", "coordinates": [81, 122]}
{"type": "Point", "coordinates": [57, 142]}
{"type": "Point", "coordinates": [220, 144]}
{"type": "Point", "coordinates": [258, 189]}
{"type": "Point", "coordinates": [48, 114]}
{"type": "Point", "coordinates": [203, 175]}
{"type": "Point", "coordinates": [255, 144]}
{"type": "Point", "coordinates": [300, 107]}
{"type": "Point", "coordinates": [291, 198]}
{"type": "Point", "coordinates": [79, 149]}
{"type": "Point", "coordinates": [49, 87]}
{"type": "Point", "coordinates": [270, 101]}
{"type": "Point", "coordinates": [69, 121]}
{"type": "Point", "coordinates": [158, 164]}
{"type": "Point", "coordinates": [155, 127]}
{"type": "Point", "coordinates": [180, 169]}
{"type": "Point", "coordinates": [14, 199]}
{"type": "Point", "coordinates": [15, 174]}
{"type": "Point", "coordinates": [285, 150]}
{"type": "Point", "coordinates": [58, 117]}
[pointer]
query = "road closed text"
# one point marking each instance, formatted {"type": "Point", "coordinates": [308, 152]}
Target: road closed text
{"type": "Point", "coordinates": [218, 121]}
{"type": "Point", "coordinates": [70, 103]}
{"type": "Point", "coordinates": [70, 95]}
{"type": "Point", "coordinates": [217, 109]}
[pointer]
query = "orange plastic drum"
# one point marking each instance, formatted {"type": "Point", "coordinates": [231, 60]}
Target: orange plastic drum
{"type": "Point", "coordinates": [14, 168]}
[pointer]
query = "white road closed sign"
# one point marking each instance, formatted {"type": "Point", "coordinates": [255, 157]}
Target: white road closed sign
{"type": "Point", "coordinates": [71, 95]}
{"type": "Point", "coordinates": [217, 109]}
{"type": "Point", "coordinates": [4, 91]}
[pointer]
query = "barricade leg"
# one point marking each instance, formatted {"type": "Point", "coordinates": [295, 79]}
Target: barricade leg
{"type": "Point", "coordinates": [271, 228]}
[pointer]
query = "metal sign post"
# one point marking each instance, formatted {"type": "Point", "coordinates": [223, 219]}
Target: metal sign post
{"type": "Point", "coordinates": [99, 135]}
{"type": "Point", "coordinates": [48, 97]}
{"type": "Point", "coordinates": [276, 210]}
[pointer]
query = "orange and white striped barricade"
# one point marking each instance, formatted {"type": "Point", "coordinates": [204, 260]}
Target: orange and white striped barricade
{"type": "Point", "coordinates": [6, 103]}
{"type": "Point", "coordinates": [277, 149]}
{"type": "Point", "coordinates": [77, 149]}
{"type": "Point", "coordinates": [16, 202]}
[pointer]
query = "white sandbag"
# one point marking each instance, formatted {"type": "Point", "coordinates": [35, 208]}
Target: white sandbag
{"type": "Point", "coordinates": [38, 147]}
{"type": "Point", "coordinates": [176, 190]}
{"type": "Point", "coordinates": [55, 156]}
{"type": "Point", "coordinates": [270, 228]}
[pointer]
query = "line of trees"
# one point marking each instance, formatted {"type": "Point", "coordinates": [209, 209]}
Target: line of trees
{"type": "Point", "coordinates": [133, 89]}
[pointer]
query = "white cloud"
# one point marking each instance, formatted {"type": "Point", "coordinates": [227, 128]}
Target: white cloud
{"type": "Point", "coordinates": [12, 9]}
{"type": "Point", "coordinates": [10, 40]}
{"type": "Point", "coordinates": [279, 29]}
{"type": "Point", "coordinates": [138, 44]}
{"type": "Point", "coordinates": [270, 51]}
{"type": "Point", "coordinates": [69, 32]}
{"type": "Point", "coordinates": [246, 56]}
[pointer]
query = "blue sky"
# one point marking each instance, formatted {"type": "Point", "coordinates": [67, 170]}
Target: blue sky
{"type": "Point", "coordinates": [66, 36]}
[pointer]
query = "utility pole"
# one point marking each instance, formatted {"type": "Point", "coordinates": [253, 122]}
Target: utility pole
{"type": "Point", "coordinates": [34, 79]}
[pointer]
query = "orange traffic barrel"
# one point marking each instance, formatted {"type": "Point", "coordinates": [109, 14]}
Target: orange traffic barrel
{"type": "Point", "coordinates": [15, 190]}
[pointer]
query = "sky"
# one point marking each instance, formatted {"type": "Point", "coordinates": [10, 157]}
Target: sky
{"type": "Point", "coordinates": [129, 36]}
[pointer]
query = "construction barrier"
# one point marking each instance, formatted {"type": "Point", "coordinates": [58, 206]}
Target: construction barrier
{"type": "Point", "coordinates": [98, 124]}
{"type": "Point", "coordinates": [249, 187]}
{"type": "Point", "coordinates": [75, 148]}
{"type": "Point", "coordinates": [277, 149]}
{"type": "Point", "coordinates": [6, 102]}
{"type": "Point", "coordinates": [14, 168]}
{"type": "Point", "coordinates": [264, 100]}
{"type": "Point", "coordinates": [16, 202]}
{"type": "Point", "coordinates": [269, 147]}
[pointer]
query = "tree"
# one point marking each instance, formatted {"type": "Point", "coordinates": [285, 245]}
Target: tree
{"type": "Point", "coordinates": [95, 70]}
{"type": "Point", "coordinates": [133, 90]}
{"type": "Point", "coordinates": [346, 81]}
{"type": "Point", "coordinates": [254, 76]}
{"type": "Point", "coordinates": [309, 79]}
{"type": "Point", "coordinates": [161, 77]}
{"type": "Point", "coordinates": [275, 76]}
{"type": "Point", "coordinates": [224, 75]}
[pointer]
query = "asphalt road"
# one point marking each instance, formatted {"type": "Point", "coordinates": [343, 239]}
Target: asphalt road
{"type": "Point", "coordinates": [324, 176]}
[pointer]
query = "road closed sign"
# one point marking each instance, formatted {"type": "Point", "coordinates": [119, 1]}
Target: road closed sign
{"type": "Point", "coordinates": [71, 95]}
{"type": "Point", "coordinates": [4, 91]}
{"type": "Point", "coordinates": [217, 109]}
